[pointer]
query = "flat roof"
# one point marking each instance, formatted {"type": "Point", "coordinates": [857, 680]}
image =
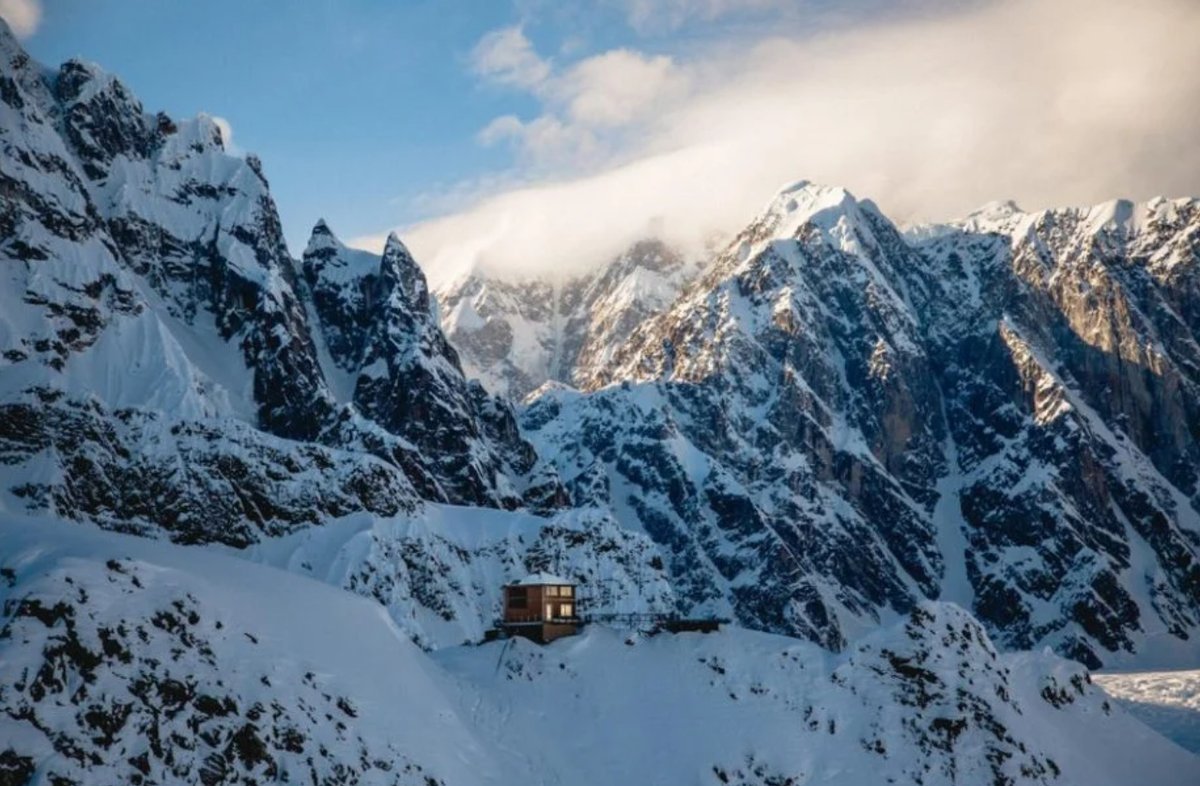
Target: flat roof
{"type": "Point", "coordinates": [541, 579]}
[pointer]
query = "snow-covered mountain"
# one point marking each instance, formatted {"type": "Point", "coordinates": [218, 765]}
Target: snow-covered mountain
{"type": "Point", "coordinates": [515, 334]}
{"type": "Point", "coordinates": [824, 425]}
{"type": "Point", "coordinates": [126, 660]}
{"type": "Point", "coordinates": [827, 431]}
{"type": "Point", "coordinates": [838, 420]}
{"type": "Point", "coordinates": [166, 365]}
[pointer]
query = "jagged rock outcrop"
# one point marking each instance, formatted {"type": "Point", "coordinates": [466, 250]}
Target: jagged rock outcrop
{"type": "Point", "coordinates": [777, 426]}
{"type": "Point", "coordinates": [390, 362]}
{"type": "Point", "coordinates": [1066, 342]}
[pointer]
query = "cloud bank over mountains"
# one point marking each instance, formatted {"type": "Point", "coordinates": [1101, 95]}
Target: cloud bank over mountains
{"type": "Point", "coordinates": [1048, 102]}
{"type": "Point", "coordinates": [23, 16]}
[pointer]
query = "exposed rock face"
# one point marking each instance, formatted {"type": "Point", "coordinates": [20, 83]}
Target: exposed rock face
{"type": "Point", "coordinates": [1067, 348]}
{"type": "Point", "coordinates": [765, 425]}
{"type": "Point", "coordinates": [161, 353]}
{"type": "Point", "coordinates": [836, 419]}
{"type": "Point", "coordinates": [517, 335]}
{"type": "Point", "coordinates": [136, 470]}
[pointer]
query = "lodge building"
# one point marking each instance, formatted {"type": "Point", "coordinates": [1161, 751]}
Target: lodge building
{"type": "Point", "coordinates": [542, 607]}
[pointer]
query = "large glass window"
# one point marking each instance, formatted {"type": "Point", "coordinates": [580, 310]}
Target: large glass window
{"type": "Point", "coordinates": [566, 610]}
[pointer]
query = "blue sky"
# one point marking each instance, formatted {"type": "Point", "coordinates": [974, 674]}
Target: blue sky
{"type": "Point", "coordinates": [544, 134]}
{"type": "Point", "coordinates": [356, 108]}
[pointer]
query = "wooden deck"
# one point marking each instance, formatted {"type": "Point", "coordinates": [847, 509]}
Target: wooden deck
{"type": "Point", "coordinates": [648, 623]}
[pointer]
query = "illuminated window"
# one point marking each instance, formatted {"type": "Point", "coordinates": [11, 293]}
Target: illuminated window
{"type": "Point", "coordinates": [552, 592]}
{"type": "Point", "coordinates": [567, 591]}
{"type": "Point", "coordinates": [566, 610]}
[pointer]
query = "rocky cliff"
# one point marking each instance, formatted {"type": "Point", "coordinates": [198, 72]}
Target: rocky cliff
{"type": "Point", "coordinates": [839, 419]}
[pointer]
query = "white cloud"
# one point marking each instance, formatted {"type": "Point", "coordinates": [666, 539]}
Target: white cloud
{"type": "Point", "coordinates": [546, 141]}
{"type": "Point", "coordinates": [607, 91]}
{"type": "Point", "coordinates": [508, 57]}
{"type": "Point", "coordinates": [23, 16]}
{"type": "Point", "coordinates": [617, 87]}
{"type": "Point", "coordinates": [500, 129]}
{"type": "Point", "coordinates": [1044, 101]}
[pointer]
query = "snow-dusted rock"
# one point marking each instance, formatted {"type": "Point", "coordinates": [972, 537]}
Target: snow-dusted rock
{"type": "Point", "coordinates": [776, 429]}
{"type": "Point", "coordinates": [165, 364]}
{"type": "Point", "coordinates": [440, 571]}
{"type": "Point", "coordinates": [516, 335]}
{"type": "Point", "coordinates": [389, 363]}
{"type": "Point", "coordinates": [837, 420]}
{"type": "Point", "coordinates": [1066, 342]}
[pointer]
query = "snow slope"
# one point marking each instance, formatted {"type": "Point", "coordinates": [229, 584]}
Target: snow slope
{"type": "Point", "coordinates": [126, 660]}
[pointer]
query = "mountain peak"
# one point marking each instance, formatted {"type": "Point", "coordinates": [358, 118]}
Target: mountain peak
{"type": "Point", "coordinates": [805, 193]}
{"type": "Point", "coordinates": [1003, 216]}
{"type": "Point", "coordinates": [803, 201]}
{"type": "Point", "coordinates": [11, 49]}
{"type": "Point", "coordinates": [997, 208]}
{"type": "Point", "coordinates": [404, 276]}
{"type": "Point", "coordinates": [836, 214]}
{"type": "Point", "coordinates": [394, 247]}
{"type": "Point", "coordinates": [321, 238]}
{"type": "Point", "coordinates": [1114, 214]}
{"type": "Point", "coordinates": [8, 39]}
{"type": "Point", "coordinates": [328, 258]}
{"type": "Point", "coordinates": [79, 81]}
